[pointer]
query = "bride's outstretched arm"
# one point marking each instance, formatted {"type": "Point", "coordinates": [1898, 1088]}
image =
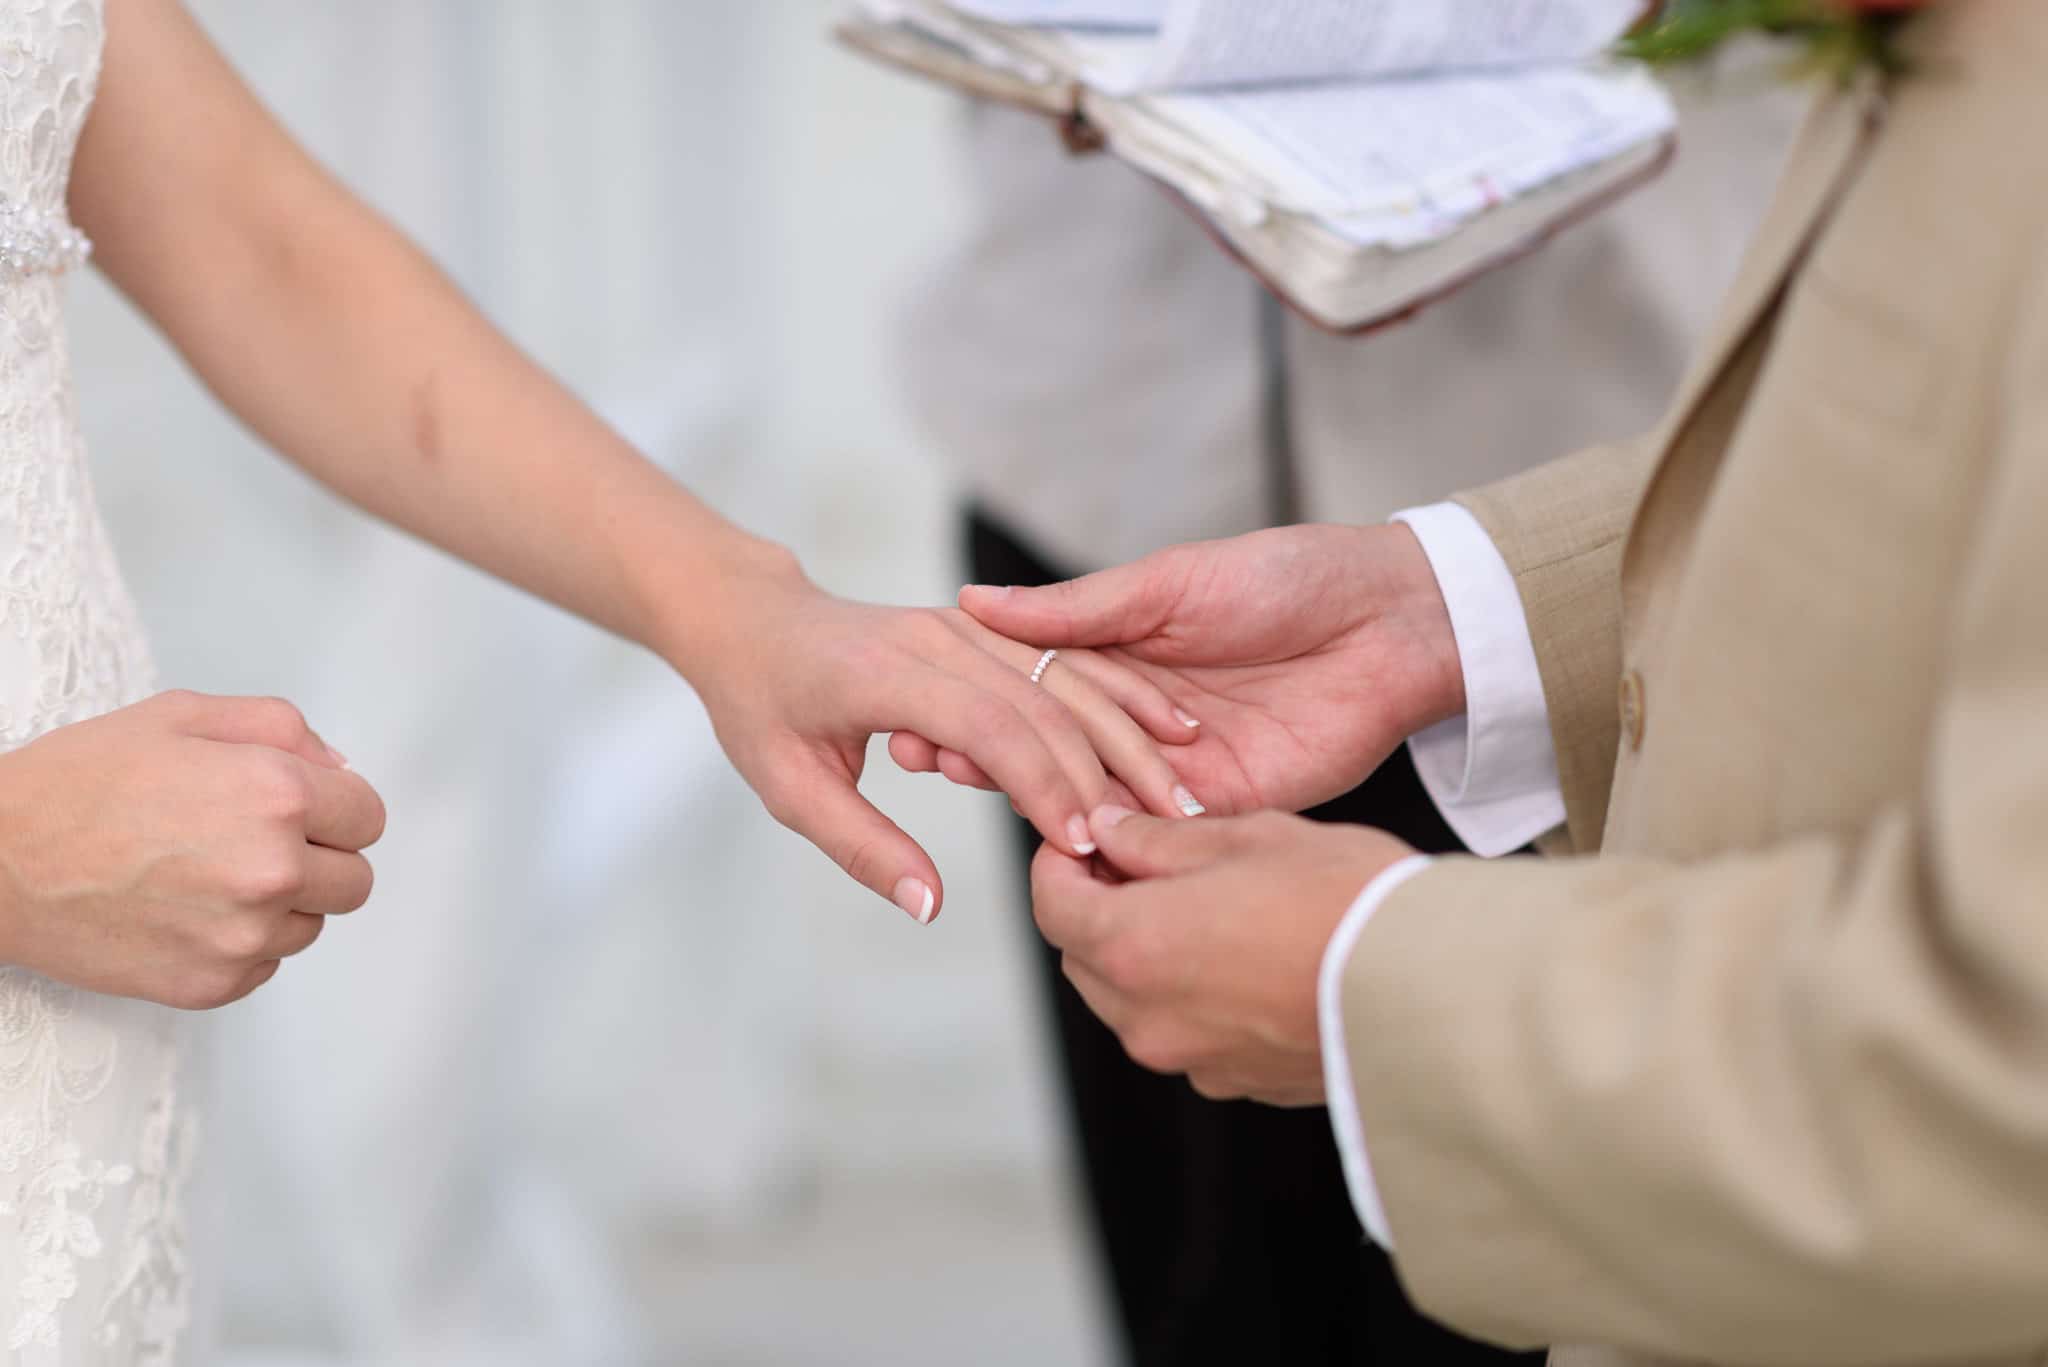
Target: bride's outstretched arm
{"type": "Point", "coordinates": [346, 349]}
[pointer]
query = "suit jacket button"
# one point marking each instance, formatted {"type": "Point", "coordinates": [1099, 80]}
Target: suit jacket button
{"type": "Point", "coordinates": [1632, 709]}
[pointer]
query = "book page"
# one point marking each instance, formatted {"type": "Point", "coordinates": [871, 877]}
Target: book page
{"type": "Point", "coordinates": [1397, 163]}
{"type": "Point", "coordinates": [1140, 14]}
{"type": "Point", "coordinates": [1011, 50]}
{"type": "Point", "coordinates": [1257, 42]}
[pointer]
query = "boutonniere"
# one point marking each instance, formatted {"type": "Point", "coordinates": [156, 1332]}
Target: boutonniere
{"type": "Point", "coordinates": [1839, 38]}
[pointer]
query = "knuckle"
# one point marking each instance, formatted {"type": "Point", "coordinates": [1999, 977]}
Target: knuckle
{"type": "Point", "coordinates": [308, 934]}
{"type": "Point", "coordinates": [865, 861]}
{"type": "Point", "coordinates": [380, 818]}
{"type": "Point", "coordinates": [991, 716]}
{"type": "Point", "coordinates": [781, 812]}
{"type": "Point", "coordinates": [1130, 962]}
{"type": "Point", "coordinates": [276, 717]}
{"type": "Point", "coordinates": [1049, 713]}
{"type": "Point", "coordinates": [265, 878]}
{"type": "Point", "coordinates": [185, 996]}
{"type": "Point", "coordinates": [1041, 903]}
{"type": "Point", "coordinates": [240, 940]}
{"type": "Point", "coordinates": [276, 784]}
{"type": "Point", "coordinates": [785, 774]}
{"type": "Point", "coordinates": [778, 800]}
{"type": "Point", "coordinates": [289, 793]}
{"type": "Point", "coordinates": [1029, 774]}
{"type": "Point", "coordinates": [177, 700]}
{"type": "Point", "coordinates": [365, 885]}
{"type": "Point", "coordinates": [205, 990]}
{"type": "Point", "coordinates": [1153, 1046]}
{"type": "Point", "coordinates": [282, 713]}
{"type": "Point", "coordinates": [914, 754]}
{"type": "Point", "coordinates": [1060, 923]}
{"type": "Point", "coordinates": [1212, 1087]}
{"type": "Point", "coordinates": [1044, 915]}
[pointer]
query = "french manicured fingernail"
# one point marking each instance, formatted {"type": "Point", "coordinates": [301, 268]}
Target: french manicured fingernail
{"type": "Point", "coordinates": [1188, 803]}
{"type": "Point", "coordinates": [916, 898]}
{"type": "Point", "coordinates": [992, 590]}
{"type": "Point", "coordinates": [1077, 835]}
{"type": "Point", "coordinates": [1185, 720]}
{"type": "Point", "coordinates": [1108, 818]}
{"type": "Point", "coordinates": [338, 757]}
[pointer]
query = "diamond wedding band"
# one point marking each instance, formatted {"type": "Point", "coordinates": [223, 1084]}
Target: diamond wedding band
{"type": "Point", "coordinates": [1044, 663]}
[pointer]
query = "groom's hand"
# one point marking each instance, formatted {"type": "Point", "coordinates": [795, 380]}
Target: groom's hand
{"type": "Point", "coordinates": [1307, 653]}
{"type": "Point", "coordinates": [1205, 961]}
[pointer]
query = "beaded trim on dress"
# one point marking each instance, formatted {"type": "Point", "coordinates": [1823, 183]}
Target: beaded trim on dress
{"type": "Point", "coordinates": [37, 242]}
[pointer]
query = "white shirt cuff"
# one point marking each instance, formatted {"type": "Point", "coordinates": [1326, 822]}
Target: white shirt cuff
{"type": "Point", "coordinates": [1492, 772]}
{"type": "Point", "coordinates": [1365, 1194]}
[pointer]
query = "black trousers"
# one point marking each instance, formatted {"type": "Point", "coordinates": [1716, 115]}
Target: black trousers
{"type": "Point", "coordinates": [1226, 1228]}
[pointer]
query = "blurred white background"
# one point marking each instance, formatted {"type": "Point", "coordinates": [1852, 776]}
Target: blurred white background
{"type": "Point", "coordinates": [612, 1070]}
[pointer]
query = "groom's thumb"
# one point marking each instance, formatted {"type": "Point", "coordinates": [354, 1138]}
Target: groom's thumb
{"type": "Point", "coordinates": [1111, 608]}
{"type": "Point", "coordinates": [1140, 846]}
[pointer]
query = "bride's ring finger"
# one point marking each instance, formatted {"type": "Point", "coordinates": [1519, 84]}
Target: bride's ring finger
{"type": "Point", "coordinates": [1125, 748]}
{"type": "Point", "coordinates": [1144, 701]}
{"type": "Point", "coordinates": [1062, 730]}
{"type": "Point", "coordinates": [1115, 744]}
{"type": "Point", "coordinates": [1160, 790]}
{"type": "Point", "coordinates": [1140, 699]}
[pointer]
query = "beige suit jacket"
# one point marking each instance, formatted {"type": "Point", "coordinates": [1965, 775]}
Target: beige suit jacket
{"type": "Point", "coordinates": [1761, 1074]}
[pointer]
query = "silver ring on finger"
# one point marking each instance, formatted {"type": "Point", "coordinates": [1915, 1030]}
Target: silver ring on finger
{"type": "Point", "coordinates": [1044, 663]}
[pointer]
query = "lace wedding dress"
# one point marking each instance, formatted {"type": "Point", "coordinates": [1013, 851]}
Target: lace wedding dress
{"type": "Point", "coordinates": [92, 1138]}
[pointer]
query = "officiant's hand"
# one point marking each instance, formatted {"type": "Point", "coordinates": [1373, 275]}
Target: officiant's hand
{"type": "Point", "coordinates": [178, 850]}
{"type": "Point", "coordinates": [1200, 942]}
{"type": "Point", "coordinates": [1307, 653]}
{"type": "Point", "coordinates": [797, 687]}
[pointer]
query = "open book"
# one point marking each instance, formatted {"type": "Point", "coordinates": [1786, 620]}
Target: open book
{"type": "Point", "coordinates": [1361, 156]}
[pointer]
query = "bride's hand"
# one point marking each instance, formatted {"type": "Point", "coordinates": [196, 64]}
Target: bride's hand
{"type": "Point", "coordinates": [796, 691]}
{"type": "Point", "coordinates": [179, 849]}
{"type": "Point", "coordinates": [1308, 652]}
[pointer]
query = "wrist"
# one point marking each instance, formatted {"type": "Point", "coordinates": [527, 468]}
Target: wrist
{"type": "Point", "coordinates": [1423, 617]}
{"type": "Point", "coordinates": [704, 618]}
{"type": "Point", "coordinates": [18, 812]}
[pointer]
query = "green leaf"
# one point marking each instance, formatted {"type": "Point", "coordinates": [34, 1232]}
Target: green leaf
{"type": "Point", "coordinates": [1833, 42]}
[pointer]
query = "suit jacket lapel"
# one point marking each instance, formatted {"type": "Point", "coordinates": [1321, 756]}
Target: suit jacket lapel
{"type": "Point", "coordinates": [1818, 172]}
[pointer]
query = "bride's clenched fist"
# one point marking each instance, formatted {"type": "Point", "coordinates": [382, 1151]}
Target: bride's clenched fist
{"type": "Point", "coordinates": [179, 849]}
